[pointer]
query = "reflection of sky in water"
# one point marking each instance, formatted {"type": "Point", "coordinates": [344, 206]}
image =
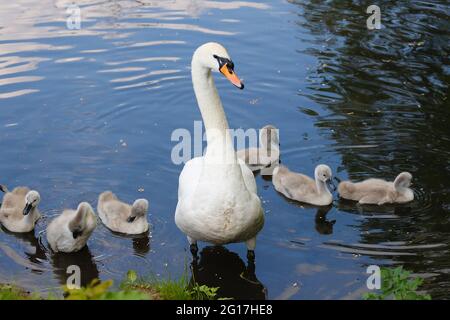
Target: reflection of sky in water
{"type": "Point", "coordinates": [87, 110]}
{"type": "Point", "coordinates": [32, 21]}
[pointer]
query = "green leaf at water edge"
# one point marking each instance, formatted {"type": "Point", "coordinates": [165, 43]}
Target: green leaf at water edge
{"type": "Point", "coordinates": [131, 276]}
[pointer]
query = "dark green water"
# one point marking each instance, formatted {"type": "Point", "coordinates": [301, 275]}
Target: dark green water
{"type": "Point", "coordinates": [86, 110]}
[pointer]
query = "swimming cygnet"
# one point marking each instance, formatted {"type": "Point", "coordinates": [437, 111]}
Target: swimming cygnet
{"type": "Point", "coordinates": [267, 154]}
{"type": "Point", "coordinates": [302, 188]}
{"type": "Point", "coordinates": [70, 231]}
{"type": "Point", "coordinates": [18, 212]}
{"type": "Point", "coordinates": [121, 217]}
{"type": "Point", "coordinates": [378, 191]}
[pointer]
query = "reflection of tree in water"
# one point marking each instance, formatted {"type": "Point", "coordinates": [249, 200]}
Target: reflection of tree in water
{"type": "Point", "coordinates": [82, 259]}
{"type": "Point", "coordinates": [219, 267]}
{"type": "Point", "coordinates": [322, 224]}
{"type": "Point", "coordinates": [388, 89]}
{"type": "Point", "coordinates": [374, 81]}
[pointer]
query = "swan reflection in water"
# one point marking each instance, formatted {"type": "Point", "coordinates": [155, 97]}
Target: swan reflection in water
{"type": "Point", "coordinates": [86, 261]}
{"type": "Point", "coordinates": [35, 251]}
{"type": "Point", "coordinates": [371, 209]}
{"type": "Point", "coordinates": [219, 267]}
{"type": "Point", "coordinates": [140, 242]}
{"type": "Point", "coordinates": [39, 256]}
{"type": "Point", "coordinates": [83, 259]}
{"type": "Point", "coordinates": [324, 226]}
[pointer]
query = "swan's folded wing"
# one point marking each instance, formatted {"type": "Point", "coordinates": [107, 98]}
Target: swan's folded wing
{"type": "Point", "coordinates": [13, 206]}
{"type": "Point", "coordinates": [117, 210]}
{"type": "Point", "coordinates": [11, 200]}
{"type": "Point", "coordinates": [298, 185]}
{"type": "Point", "coordinates": [20, 191]}
{"type": "Point", "coordinates": [189, 177]}
{"type": "Point", "coordinates": [249, 178]}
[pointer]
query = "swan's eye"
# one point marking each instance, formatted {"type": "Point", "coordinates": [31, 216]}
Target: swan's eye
{"type": "Point", "coordinates": [224, 61]}
{"type": "Point", "coordinates": [226, 67]}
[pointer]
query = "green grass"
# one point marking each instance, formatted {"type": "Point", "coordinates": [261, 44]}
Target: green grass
{"type": "Point", "coordinates": [167, 289]}
{"type": "Point", "coordinates": [170, 289]}
{"type": "Point", "coordinates": [397, 284]}
{"type": "Point", "coordinates": [98, 290]}
{"type": "Point", "coordinates": [132, 288]}
{"type": "Point", "coordinates": [11, 292]}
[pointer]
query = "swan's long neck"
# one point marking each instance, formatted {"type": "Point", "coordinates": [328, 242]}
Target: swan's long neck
{"type": "Point", "coordinates": [29, 218]}
{"type": "Point", "coordinates": [220, 146]}
{"type": "Point", "coordinates": [322, 187]}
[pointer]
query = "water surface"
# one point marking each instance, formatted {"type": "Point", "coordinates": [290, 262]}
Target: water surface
{"type": "Point", "coordinates": [82, 111]}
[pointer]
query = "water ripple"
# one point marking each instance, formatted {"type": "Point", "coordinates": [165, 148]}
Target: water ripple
{"type": "Point", "coordinates": [17, 93]}
{"type": "Point", "coordinates": [170, 26]}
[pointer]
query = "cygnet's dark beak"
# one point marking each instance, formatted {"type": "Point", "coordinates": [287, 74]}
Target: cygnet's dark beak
{"type": "Point", "coordinates": [27, 209]}
{"type": "Point", "coordinates": [76, 233]}
{"type": "Point", "coordinates": [131, 219]}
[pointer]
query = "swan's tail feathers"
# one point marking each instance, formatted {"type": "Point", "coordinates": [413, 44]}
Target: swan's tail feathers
{"type": "Point", "coordinates": [346, 189]}
{"type": "Point", "coordinates": [107, 196]}
{"type": "Point", "coordinates": [3, 188]}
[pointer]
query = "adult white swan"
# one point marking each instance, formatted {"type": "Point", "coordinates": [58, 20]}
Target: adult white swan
{"type": "Point", "coordinates": [217, 196]}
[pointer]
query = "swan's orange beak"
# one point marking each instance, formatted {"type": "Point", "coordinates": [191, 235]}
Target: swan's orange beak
{"type": "Point", "coordinates": [231, 76]}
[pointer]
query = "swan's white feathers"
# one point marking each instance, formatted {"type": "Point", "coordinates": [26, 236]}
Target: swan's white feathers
{"type": "Point", "coordinates": [217, 200]}
{"type": "Point", "coordinates": [11, 211]}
